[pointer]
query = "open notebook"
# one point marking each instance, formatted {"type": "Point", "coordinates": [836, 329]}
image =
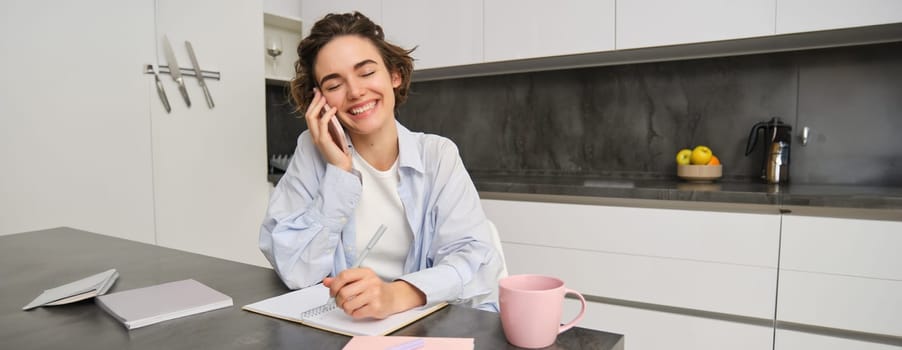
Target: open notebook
{"type": "Point", "coordinates": [311, 306]}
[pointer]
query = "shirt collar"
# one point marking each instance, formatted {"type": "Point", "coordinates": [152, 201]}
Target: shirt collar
{"type": "Point", "coordinates": [409, 152]}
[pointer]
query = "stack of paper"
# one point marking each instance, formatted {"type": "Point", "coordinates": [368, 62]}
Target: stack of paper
{"type": "Point", "coordinates": [145, 306]}
{"type": "Point", "coordinates": [82, 289]}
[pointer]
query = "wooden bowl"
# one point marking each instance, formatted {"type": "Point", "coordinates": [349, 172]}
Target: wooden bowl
{"type": "Point", "coordinates": [700, 172]}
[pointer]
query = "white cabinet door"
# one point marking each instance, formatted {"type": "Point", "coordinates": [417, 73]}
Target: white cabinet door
{"type": "Point", "coordinates": [803, 15]}
{"type": "Point", "coordinates": [731, 238]}
{"type": "Point", "coordinates": [645, 23]}
{"type": "Point", "coordinates": [842, 274]}
{"type": "Point", "coordinates": [793, 340]}
{"type": "Point", "coordinates": [210, 164]}
{"type": "Point", "coordinates": [853, 303]}
{"type": "Point", "coordinates": [314, 10]}
{"type": "Point", "coordinates": [74, 114]}
{"type": "Point", "coordinates": [851, 247]}
{"type": "Point", "coordinates": [654, 330]}
{"type": "Point", "coordinates": [283, 8]}
{"type": "Point", "coordinates": [445, 33]}
{"type": "Point", "coordinates": [722, 288]}
{"type": "Point", "coordinates": [516, 29]}
{"type": "Point", "coordinates": [706, 262]}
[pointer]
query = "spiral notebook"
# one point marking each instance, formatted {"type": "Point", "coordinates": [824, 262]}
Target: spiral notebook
{"type": "Point", "coordinates": [311, 307]}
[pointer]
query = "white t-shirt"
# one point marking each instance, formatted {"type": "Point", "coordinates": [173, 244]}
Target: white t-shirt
{"type": "Point", "coordinates": [380, 204]}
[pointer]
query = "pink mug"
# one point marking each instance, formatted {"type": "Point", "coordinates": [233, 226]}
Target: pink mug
{"type": "Point", "coordinates": [531, 309]}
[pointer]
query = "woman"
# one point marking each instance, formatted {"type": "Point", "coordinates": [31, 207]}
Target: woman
{"type": "Point", "coordinates": [331, 200]}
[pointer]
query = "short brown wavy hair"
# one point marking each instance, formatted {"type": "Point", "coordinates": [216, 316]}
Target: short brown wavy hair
{"type": "Point", "coordinates": [396, 58]}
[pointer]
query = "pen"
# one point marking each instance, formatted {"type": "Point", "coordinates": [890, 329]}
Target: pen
{"type": "Point", "coordinates": [370, 245]}
{"type": "Point", "coordinates": [411, 345]}
{"type": "Point", "coordinates": [366, 251]}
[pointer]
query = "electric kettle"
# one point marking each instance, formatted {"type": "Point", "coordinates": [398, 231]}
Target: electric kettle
{"type": "Point", "coordinates": [777, 137]}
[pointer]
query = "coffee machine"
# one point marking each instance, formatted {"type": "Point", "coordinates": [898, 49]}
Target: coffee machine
{"type": "Point", "coordinates": [777, 137]}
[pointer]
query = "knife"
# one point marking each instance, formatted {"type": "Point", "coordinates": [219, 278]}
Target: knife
{"type": "Point", "coordinates": [160, 91]}
{"type": "Point", "coordinates": [174, 69]}
{"type": "Point", "coordinates": [199, 74]}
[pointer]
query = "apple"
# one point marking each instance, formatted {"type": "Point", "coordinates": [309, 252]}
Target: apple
{"type": "Point", "coordinates": [701, 155]}
{"type": "Point", "coordinates": [682, 157]}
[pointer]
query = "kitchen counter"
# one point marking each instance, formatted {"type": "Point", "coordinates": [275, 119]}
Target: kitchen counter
{"type": "Point", "coordinates": [725, 194]}
{"type": "Point", "coordinates": [728, 194]}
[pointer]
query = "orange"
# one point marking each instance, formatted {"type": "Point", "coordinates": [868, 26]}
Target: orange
{"type": "Point", "coordinates": [714, 161]}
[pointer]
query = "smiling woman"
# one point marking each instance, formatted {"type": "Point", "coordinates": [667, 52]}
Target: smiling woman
{"type": "Point", "coordinates": [438, 244]}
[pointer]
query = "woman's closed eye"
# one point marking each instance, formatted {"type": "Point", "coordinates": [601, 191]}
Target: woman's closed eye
{"type": "Point", "coordinates": [336, 85]}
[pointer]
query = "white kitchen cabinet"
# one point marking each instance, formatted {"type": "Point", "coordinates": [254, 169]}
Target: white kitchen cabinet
{"type": "Point", "coordinates": [653, 330]}
{"type": "Point", "coordinates": [723, 237]}
{"type": "Point", "coordinates": [75, 145]}
{"type": "Point", "coordinates": [803, 16]}
{"type": "Point", "coordinates": [841, 302]}
{"type": "Point", "coordinates": [842, 274]}
{"type": "Point", "coordinates": [793, 340]}
{"type": "Point", "coordinates": [851, 247]}
{"type": "Point", "coordinates": [646, 23]}
{"type": "Point", "coordinates": [210, 189]}
{"type": "Point", "coordinates": [290, 9]}
{"type": "Point", "coordinates": [91, 145]}
{"type": "Point", "coordinates": [723, 288]}
{"type": "Point", "coordinates": [314, 10]}
{"type": "Point", "coordinates": [445, 33]}
{"type": "Point", "coordinates": [518, 29]}
{"type": "Point", "coordinates": [705, 263]}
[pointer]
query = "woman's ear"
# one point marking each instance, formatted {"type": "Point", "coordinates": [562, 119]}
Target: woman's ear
{"type": "Point", "coordinates": [395, 79]}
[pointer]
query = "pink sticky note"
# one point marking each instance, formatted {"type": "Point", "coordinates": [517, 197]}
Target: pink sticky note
{"type": "Point", "coordinates": [431, 343]}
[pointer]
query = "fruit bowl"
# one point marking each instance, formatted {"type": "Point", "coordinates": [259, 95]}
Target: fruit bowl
{"type": "Point", "coordinates": [700, 172]}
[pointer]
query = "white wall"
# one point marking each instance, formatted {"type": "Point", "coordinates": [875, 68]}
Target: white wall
{"type": "Point", "coordinates": [70, 158]}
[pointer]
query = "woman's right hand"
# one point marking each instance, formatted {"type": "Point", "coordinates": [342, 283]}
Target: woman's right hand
{"type": "Point", "coordinates": [318, 115]}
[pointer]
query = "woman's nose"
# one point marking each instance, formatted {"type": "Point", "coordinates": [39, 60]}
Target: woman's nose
{"type": "Point", "coordinates": [355, 89]}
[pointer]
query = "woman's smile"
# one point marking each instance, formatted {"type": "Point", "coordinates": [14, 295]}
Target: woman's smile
{"type": "Point", "coordinates": [362, 110]}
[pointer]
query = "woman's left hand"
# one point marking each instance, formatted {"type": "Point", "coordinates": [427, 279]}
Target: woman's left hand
{"type": "Point", "coordinates": [361, 294]}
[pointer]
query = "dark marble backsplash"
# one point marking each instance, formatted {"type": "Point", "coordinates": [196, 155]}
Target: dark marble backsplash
{"type": "Point", "coordinates": [630, 120]}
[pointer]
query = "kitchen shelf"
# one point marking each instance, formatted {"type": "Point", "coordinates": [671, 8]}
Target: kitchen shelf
{"type": "Point", "coordinates": [288, 30]}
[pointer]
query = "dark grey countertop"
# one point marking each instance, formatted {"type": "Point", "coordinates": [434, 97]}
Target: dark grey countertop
{"type": "Point", "coordinates": [33, 261]}
{"type": "Point", "coordinates": [885, 201]}
{"type": "Point", "coordinates": [732, 191]}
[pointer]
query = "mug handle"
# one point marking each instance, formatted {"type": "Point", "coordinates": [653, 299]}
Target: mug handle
{"type": "Point", "coordinates": [579, 317]}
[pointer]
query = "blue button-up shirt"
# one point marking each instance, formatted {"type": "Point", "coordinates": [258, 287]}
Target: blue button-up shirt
{"type": "Point", "coordinates": [309, 229]}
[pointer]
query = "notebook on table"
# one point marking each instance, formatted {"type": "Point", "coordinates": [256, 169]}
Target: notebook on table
{"type": "Point", "coordinates": [82, 289]}
{"type": "Point", "coordinates": [141, 307]}
{"type": "Point", "coordinates": [311, 307]}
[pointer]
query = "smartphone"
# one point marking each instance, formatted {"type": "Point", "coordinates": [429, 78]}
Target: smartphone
{"type": "Point", "coordinates": [338, 134]}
